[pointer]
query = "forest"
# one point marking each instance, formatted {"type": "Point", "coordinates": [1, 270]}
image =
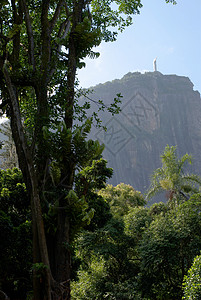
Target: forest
{"type": "Point", "coordinates": [65, 233]}
{"type": "Point", "coordinates": [121, 248]}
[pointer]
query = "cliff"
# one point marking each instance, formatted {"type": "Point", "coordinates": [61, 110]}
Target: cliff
{"type": "Point", "coordinates": [156, 110]}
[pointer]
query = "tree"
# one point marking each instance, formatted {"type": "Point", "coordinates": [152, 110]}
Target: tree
{"type": "Point", "coordinates": [108, 266]}
{"type": "Point", "coordinates": [121, 198]}
{"type": "Point", "coordinates": [167, 249]}
{"type": "Point", "coordinates": [88, 182]}
{"type": "Point", "coordinates": [42, 45]}
{"type": "Point", "coordinates": [171, 177]}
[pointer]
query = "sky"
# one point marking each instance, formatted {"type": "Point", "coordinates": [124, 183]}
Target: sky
{"type": "Point", "coordinates": [172, 33]}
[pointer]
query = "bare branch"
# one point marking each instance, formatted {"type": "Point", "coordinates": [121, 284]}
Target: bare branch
{"type": "Point", "coordinates": [15, 105]}
{"type": "Point", "coordinates": [56, 14]}
{"type": "Point", "coordinates": [46, 40]}
{"type": "Point", "coordinates": [63, 31]}
{"type": "Point", "coordinates": [29, 33]}
{"type": "Point", "coordinates": [65, 26]}
{"type": "Point", "coordinates": [66, 8]}
{"type": "Point", "coordinates": [14, 9]}
{"type": "Point", "coordinates": [66, 29]}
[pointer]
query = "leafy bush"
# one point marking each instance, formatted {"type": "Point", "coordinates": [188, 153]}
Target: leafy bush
{"type": "Point", "coordinates": [192, 281]}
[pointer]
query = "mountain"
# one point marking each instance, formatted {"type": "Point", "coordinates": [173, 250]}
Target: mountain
{"type": "Point", "coordinates": [157, 110]}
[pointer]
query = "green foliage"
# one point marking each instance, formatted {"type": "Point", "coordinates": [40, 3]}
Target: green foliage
{"type": "Point", "coordinates": [78, 212]}
{"type": "Point", "coordinates": [42, 45]}
{"type": "Point", "coordinates": [171, 1]}
{"type": "Point", "coordinates": [90, 281]}
{"type": "Point", "coordinates": [15, 235]}
{"type": "Point", "coordinates": [167, 249]}
{"type": "Point", "coordinates": [117, 277]}
{"type": "Point", "coordinates": [171, 177]}
{"type": "Point", "coordinates": [136, 221]}
{"type": "Point", "coordinates": [87, 182]}
{"type": "Point", "coordinates": [71, 145]}
{"type": "Point", "coordinates": [112, 246]}
{"type": "Point", "coordinates": [154, 245]}
{"type": "Point", "coordinates": [39, 268]}
{"type": "Point", "coordinates": [117, 14]}
{"type": "Point", "coordinates": [13, 196]}
{"type": "Point", "coordinates": [192, 281]}
{"type": "Point", "coordinates": [83, 206]}
{"type": "Point", "coordinates": [121, 198]}
{"type": "Point", "coordinates": [93, 176]}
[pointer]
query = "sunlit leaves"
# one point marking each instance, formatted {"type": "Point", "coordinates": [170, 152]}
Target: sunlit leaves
{"type": "Point", "coordinates": [117, 14]}
{"type": "Point", "coordinates": [167, 249]}
{"type": "Point", "coordinates": [121, 198]}
{"type": "Point", "coordinates": [192, 281]}
{"type": "Point", "coordinates": [171, 176]}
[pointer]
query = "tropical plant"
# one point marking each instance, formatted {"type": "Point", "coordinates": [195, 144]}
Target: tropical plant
{"type": "Point", "coordinates": [172, 178]}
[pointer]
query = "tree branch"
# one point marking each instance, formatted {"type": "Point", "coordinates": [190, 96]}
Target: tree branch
{"type": "Point", "coordinates": [17, 20]}
{"type": "Point", "coordinates": [14, 10]}
{"type": "Point", "coordinates": [45, 38]}
{"type": "Point", "coordinates": [30, 34]}
{"type": "Point", "coordinates": [56, 14]}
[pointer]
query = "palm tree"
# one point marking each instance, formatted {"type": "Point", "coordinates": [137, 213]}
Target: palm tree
{"type": "Point", "coordinates": [171, 177]}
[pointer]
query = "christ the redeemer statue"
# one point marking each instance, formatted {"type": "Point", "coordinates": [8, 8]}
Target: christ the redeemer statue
{"type": "Point", "coordinates": [154, 64]}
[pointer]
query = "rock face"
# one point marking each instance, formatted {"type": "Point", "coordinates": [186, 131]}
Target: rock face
{"type": "Point", "coordinates": [156, 110]}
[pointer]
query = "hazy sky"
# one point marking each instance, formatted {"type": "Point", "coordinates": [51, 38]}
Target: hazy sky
{"type": "Point", "coordinates": [172, 33]}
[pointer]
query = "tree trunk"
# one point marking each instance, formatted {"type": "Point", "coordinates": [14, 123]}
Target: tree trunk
{"type": "Point", "coordinates": [26, 162]}
{"type": "Point", "coordinates": [63, 255]}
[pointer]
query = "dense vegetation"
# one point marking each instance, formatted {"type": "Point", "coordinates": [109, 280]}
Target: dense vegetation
{"type": "Point", "coordinates": [56, 207]}
{"type": "Point", "coordinates": [126, 249]}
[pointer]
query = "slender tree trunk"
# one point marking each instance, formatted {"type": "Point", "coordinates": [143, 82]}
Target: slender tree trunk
{"type": "Point", "coordinates": [63, 255]}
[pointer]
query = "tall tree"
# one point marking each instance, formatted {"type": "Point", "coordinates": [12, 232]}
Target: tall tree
{"type": "Point", "coordinates": [42, 45]}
